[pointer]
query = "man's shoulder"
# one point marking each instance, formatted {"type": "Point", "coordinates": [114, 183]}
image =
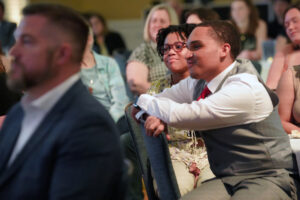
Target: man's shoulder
{"type": "Point", "coordinates": [245, 66]}
{"type": "Point", "coordinates": [79, 96]}
{"type": "Point", "coordinates": [77, 110]}
{"type": "Point", "coordinates": [16, 110]}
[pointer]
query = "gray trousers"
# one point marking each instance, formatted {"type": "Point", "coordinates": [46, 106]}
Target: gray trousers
{"type": "Point", "coordinates": [262, 188]}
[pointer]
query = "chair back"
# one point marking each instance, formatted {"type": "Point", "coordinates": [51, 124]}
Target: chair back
{"type": "Point", "coordinates": [141, 153]}
{"type": "Point", "coordinates": [155, 149]}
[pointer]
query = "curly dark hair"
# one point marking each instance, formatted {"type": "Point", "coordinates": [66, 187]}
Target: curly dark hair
{"type": "Point", "coordinates": [183, 31]}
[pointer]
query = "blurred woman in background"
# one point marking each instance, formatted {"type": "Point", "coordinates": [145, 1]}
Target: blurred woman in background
{"type": "Point", "coordinates": [288, 89]}
{"type": "Point", "coordinates": [290, 55]}
{"type": "Point", "coordinates": [144, 64]}
{"type": "Point", "coordinates": [253, 31]}
{"type": "Point", "coordinates": [7, 97]}
{"type": "Point", "coordinates": [102, 77]}
{"type": "Point", "coordinates": [5, 60]}
{"type": "Point", "coordinates": [106, 42]}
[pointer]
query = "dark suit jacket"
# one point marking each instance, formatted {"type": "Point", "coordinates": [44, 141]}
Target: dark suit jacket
{"type": "Point", "coordinates": [73, 154]}
{"type": "Point", "coordinates": [7, 35]}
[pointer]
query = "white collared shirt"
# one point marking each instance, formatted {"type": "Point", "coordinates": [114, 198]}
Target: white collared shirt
{"type": "Point", "coordinates": [36, 110]}
{"type": "Point", "coordinates": [241, 100]}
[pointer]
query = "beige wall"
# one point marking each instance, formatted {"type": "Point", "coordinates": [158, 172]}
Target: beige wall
{"type": "Point", "coordinates": [110, 9]}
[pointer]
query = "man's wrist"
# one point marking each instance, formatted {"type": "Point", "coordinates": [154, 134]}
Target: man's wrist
{"type": "Point", "coordinates": [141, 116]}
{"type": "Point", "coordinates": [136, 106]}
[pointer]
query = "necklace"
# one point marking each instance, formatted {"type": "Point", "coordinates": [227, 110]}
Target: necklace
{"type": "Point", "coordinates": [90, 74]}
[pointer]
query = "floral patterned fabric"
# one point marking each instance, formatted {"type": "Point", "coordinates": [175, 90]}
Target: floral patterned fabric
{"type": "Point", "coordinates": [183, 145]}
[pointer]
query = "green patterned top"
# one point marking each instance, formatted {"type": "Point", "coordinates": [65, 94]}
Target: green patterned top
{"type": "Point", "coordinates": [146, 53]}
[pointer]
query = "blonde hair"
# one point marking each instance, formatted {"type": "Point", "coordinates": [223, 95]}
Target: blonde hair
{"type": "Point", "coordinates": [172, 16]}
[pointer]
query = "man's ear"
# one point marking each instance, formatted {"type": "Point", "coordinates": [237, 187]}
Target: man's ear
{"type": "Point", "coordinates": [63, 54]}
{"type": "Point", "coordinates": [226, 49]}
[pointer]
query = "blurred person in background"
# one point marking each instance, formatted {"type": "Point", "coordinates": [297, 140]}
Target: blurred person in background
{"type": "Point", "coordinates": [289, 56]}
{"type": "Point", "coordinates": [288, 89]}
{"type": "Point", "coordinates": [103, 79]}
{"type": "Point", "coordinates": [6, 60]}
{"type": "Point", "coordinates": [7, 97]}
{"type": "Point", "coordinates": [106, 42]}
{"type": "Point", "coordinates": [276, 28]}
{"type": "Point", "coordinates": [7, 29]}
{"type": "Point", "coordinates": [198, 15]}
{"type": "Point", "coordinates": [253, 30]}
{"type": "Point", "coordinates": [144, 64]}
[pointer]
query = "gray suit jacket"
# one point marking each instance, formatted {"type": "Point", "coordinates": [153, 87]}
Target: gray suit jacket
{"type": "Point", "coordinates": [249, 150]}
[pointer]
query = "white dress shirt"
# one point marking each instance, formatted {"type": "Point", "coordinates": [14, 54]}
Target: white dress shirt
{"type": "Point", "coordinates": [241, 100]}
{"type": "Point", "coordinates": [36, 110]}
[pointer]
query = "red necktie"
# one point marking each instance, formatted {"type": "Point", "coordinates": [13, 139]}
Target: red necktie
{"type": "Point", "coordinates": [205, 92]}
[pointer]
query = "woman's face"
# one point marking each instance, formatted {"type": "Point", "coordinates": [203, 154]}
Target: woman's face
{"type": "Point", "coordinates": [159, 19]}
{"type": "Point", "coordinates": [174, 58]}
{"type": "Point", "coordinates": [239, 11]}
{"type": "Point", "coordinates": [193, 19]}
{"type": "Point", "coordinates": [292, 25]}
{"type": "Point", "coordinates": [97, 25]}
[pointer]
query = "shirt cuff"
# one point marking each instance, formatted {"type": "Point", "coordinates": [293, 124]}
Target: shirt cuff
{"type": "Point", "coordinates": [139, 116]}
{"type": "Point", "coordinates": [144, 100]}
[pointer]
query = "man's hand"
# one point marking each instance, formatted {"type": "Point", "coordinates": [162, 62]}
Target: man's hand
{"type": "Point", "coordinates": [155, 126]}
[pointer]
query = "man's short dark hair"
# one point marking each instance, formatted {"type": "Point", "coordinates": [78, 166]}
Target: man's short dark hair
{"type": "Point", "coordinates": [225, 32]}
{"type": "Point", "coordinates": [67, 20]}
{"type": "Point", "coordinates": [183, 31]}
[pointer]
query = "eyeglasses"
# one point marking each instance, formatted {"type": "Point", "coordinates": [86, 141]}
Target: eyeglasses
{"type": "Point", "coordinates": [176, 46]}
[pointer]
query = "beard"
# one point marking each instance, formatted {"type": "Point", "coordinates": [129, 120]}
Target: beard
{"type": "Point", "coordinates": [16, 84]}
{"type": "Point", "coordinates": [19, 79]}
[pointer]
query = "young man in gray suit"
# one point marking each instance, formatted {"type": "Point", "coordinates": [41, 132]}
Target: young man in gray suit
{"type": "Point", "coordinates": [225, 99]}
{"type": "Point", "coordinates": [59, 142]}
